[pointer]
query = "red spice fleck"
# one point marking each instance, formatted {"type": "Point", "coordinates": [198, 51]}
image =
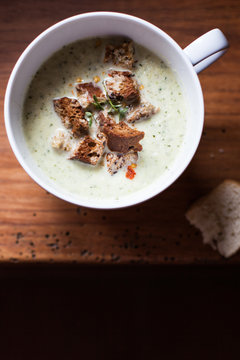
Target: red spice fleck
{"type": "Point", "coordinates": [130, 173]}
{"type": "Point", "coordinates": [73, 92]}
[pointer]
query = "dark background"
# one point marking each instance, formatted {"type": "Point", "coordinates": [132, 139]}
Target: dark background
{"type": "Point", "coordinates": [119, 312]}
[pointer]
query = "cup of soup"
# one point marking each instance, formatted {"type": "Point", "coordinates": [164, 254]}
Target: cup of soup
{"type": "Point", "coordinates": [105, 110]}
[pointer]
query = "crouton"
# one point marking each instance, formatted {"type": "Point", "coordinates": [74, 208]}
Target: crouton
{"type": "Point", "coordinates": [121, 138]}
{"type": "Point", "coordinates": [86, 93]}
{"type": "Point", "coordinates": [142, 111]}
{"type": "Point", "coordinates": [61, 140]}
{"type": "Point", "coordinates": [122, 55]}
{"type": "Point", "coordinates": [104, 119]}
{"type": "Point", "coordinates": [117, 161]}
{"type": "Point", "coordinates": [72, 115]}
{"type": "Point", "coordinates": [122, 87]}
{"type": "Point", "coordinates": [88, 151]}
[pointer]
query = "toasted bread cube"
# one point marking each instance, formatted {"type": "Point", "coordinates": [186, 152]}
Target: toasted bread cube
{"type": "Point", "coordinates": [62, 140]}
{"type": "Point", "coordinates": [104, 119]}
{"type": "Point", "coordinates": [117, 161]}
{"type": "Point", "coordinates": [122, 138]}
{"type": "Point", "coordinates": [122, 55]}
{"type": "Point", "coordinates": [142, 111]}
{"type": "Point", "coordinates": [122, 87]}
{"type": "Point", "coordinates": [88, 151]}
{"type": "Point", "coordinates": [72, 115]}
{"type": "Point", "coordinates": [86, 93]}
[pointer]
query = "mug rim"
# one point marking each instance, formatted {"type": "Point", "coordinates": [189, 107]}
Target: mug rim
{"type": "Point", "coordinates": [50, 188]}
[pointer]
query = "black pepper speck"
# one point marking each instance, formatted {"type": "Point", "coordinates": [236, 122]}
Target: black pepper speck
{"type": "Point", "coordinates": [84, 252]}
{"type": "Point", "coordinates": [19, 235]}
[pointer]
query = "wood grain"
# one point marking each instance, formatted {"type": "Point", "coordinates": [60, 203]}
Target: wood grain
{"type": "Point", "coordinates": [37, 227]}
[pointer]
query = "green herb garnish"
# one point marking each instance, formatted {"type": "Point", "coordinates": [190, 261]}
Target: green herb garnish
{"type": "Point", "coordinates": [122, 112]}
{"type": "Point", "coordinates": [117, 108]}
{"type": "Point", "coordinates": [89, 117]}
{"type": "Point", "coordinates": [96, 103]}
{"type": "Point", "coordinates": [114, 107]}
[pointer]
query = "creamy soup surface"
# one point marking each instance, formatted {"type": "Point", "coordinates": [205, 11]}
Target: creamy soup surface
{"type": "Point", "coordinates": [164, 131]}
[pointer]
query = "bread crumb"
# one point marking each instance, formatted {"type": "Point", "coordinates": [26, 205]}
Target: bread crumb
{"type": "Point", "coordinates": [61, 140]}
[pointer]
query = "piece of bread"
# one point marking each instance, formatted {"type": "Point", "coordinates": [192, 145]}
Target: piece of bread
{"type": "Point", "coordinates": [122, 138]}
{"type": "Point", "coordinates": [104, 119]}
{"type": "Point", "coordinates": [122, 87]}
{"type": "Point", "coordinates": [86, 93]}
{"type": "Point", "coordinates": [72, 115]}
{"type": "Point", "coordinates": [117, 161]}
{"type": "Point", "coordinates": [89, 150]}
{"type": "Point", "coordinates": [122, 55]}
{"type": "Point", "coordinates": [217, 215]}
{"type": "Point", "coordinates": [62, 140]}
{"type": "Point", "coordinates": [142, 111]}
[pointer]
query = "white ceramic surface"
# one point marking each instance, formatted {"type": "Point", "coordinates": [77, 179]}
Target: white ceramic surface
{"type": "Point", "coordinates": [201, 53]}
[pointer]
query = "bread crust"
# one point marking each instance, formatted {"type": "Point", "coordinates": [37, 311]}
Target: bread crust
{"type": "Point", "coordinates": [72, 115]}
{"type": "Point", "coordinates": [122, 138]}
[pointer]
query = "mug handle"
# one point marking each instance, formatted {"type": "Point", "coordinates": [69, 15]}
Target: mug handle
{"type": "Point", "coordinates": [206, 49]}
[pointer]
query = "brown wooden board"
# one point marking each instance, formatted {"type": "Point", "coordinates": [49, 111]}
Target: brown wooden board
{"type": "Point", "coordinates": [37, 227]}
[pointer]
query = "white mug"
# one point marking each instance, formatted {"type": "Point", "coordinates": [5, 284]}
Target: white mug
{"type": "Point", "coordinates": [186, 64]}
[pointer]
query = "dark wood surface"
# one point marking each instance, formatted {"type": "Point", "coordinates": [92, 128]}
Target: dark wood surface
{"type": "Point", "coordinates": [37, 227]}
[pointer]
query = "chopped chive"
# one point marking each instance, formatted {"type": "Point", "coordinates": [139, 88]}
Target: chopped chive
{"type": "Point", "coordinates": [89, 117]}
{"type": "Point", "coordinates": [96, 103]}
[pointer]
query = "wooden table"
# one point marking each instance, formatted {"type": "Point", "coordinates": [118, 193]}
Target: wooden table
{"type": "Point", "coordinates": [37, 227]}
